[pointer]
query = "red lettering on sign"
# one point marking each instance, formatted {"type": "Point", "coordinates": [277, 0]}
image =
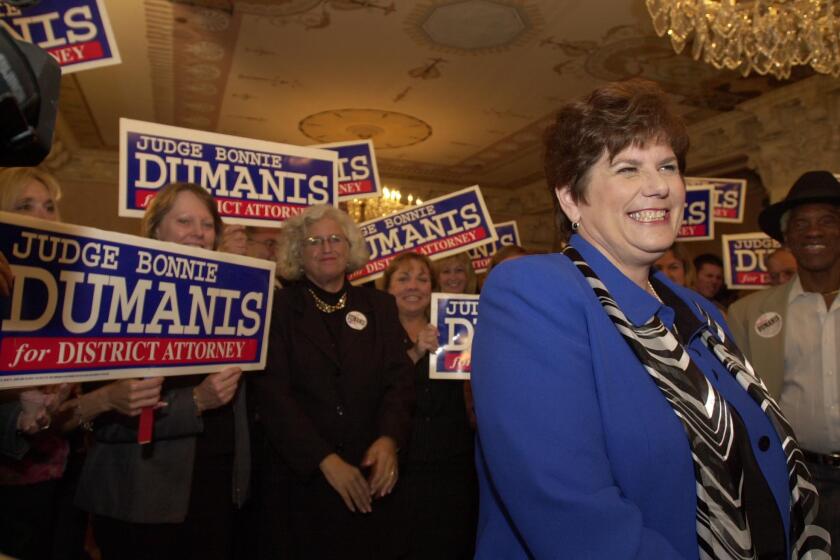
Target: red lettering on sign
{"type": "Point", "coordinates": [80, 52]}
{"type": "Point", "coordinates": [355, 187]}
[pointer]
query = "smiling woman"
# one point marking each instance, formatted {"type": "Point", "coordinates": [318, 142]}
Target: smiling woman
{"type": "Point", "coordinates": [439, 479]}
{"type": "Point", "coordinates": [176, 497]}
{"type": "Point", "coordinates": [625, 383]}
{"type": "Point", "coordinates": [335, 402]}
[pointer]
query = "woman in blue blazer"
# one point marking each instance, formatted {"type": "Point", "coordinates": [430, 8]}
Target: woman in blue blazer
{"type": "Point", "coordinates": [616, 418]}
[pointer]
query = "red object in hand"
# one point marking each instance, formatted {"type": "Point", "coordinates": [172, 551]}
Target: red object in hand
{"type": "Point", "coordinates": [147, 422]}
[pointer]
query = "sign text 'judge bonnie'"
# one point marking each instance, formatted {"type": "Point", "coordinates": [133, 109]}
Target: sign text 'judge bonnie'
{"type": "Point", "coordinates": [91, 305]}
{"type": "Point", "coordinates": [254, 183]}
{"type": "Point", "coordinates": [437, 228]}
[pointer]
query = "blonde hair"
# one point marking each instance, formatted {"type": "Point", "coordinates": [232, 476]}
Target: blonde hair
{"type": "Point", "coordinates": [13, 179]}
{"type": "Point", "coordinates": [289, 254]}
{"type": "Point", "coordinates": [164, 200]}
{"type": "Point", "coordinates": [463, 258]}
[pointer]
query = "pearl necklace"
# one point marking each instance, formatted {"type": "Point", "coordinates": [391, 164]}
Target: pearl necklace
{"type": "Point", "coordinates": [653, 293]}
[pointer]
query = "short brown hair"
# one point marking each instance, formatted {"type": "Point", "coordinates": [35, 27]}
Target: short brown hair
{"type": "Point", "coordinates": [506, 252]}
{"type": "Point", "coordinates": [610, 119]}
{"type": "Point", "coordinates": [403, 258]}
{"type": "Point", "coordinates": [164, 200]}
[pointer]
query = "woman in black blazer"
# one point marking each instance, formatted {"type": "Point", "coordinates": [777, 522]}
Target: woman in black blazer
{"type": "Point", "coordinates": [334, 402]}
{"type": "Point", "coordinates": [176, 497]}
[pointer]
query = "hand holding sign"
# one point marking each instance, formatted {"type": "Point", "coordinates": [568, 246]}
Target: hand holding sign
{"type": "Point", "coordinates": [427, 341]}
{"type": "Point", "coordinates": [234, 240]}
{"type": "Point", "coordinates": [217, 389]}
{"type": "Point", "coordinates": [34, 415]}
{"type": "Point", "coordinates": [7, 278]}
{"type": "Point", "coordinates": [131, 396]}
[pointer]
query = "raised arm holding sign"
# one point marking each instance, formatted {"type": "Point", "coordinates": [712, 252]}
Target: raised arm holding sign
{"type": "Point", "coordinates": [186, 313]}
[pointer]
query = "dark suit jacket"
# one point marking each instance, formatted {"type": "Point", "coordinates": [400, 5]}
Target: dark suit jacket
{"type": "Point", "coordinates": [152, 483]}
{"type": "Point", "coordinates": [315, 399]}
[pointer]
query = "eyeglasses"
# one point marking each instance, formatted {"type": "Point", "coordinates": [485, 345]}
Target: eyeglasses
{"type": "Point", "coordinates": [318, 241]}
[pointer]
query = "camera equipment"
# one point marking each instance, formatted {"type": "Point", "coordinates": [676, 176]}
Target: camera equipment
{"type": "Point", "coordinates": [29, 86]}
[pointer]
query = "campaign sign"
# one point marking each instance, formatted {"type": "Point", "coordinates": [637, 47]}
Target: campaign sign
{"type": "Point", "coordinates": [437, 228]}
{"type": "Point", "coordinates": [744, 257]}
{"type": "Point", "coordinates": [730, 197]}
{"type": "Point", "coordinates": [698, 219]}
{"type": "Point", "coordinates": [255, 183]}
{"type": "Point", "coordinates": [77, 33]}
{"type": "Point", "coordinates": [358, 176]}
{"type": "Point", "coordinates": [455, 316]}
{"type": "Point", "coordinates": [96, 305]}
{"type": "Point", "coordinates": [507, 233]}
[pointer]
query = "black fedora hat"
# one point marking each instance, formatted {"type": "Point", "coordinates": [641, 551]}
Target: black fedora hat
{"type": "Point", "coordinates": [811, 187]}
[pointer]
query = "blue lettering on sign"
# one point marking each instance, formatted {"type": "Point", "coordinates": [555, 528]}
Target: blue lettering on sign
{"type": "Point", "coordinates": [456, 317]}
{"type": "Point", "coordinates": [449, 224]}
{"type": "Point", "coordinates": [251, 181]}
{"type": "Point", "coordinates": [88, 300]}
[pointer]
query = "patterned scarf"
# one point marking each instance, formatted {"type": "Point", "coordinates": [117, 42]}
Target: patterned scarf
{"type": "Point", "coordinates": [723, 531]}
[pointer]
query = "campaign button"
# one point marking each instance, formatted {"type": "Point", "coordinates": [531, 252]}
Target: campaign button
{"type": "Point", "coordinates": [768, 324]}
{"type": "Point", "coordinates": [356, 320]}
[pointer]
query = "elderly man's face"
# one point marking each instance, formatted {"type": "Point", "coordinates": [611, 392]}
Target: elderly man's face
{"type": "Point", "coordinates": [813, 236]}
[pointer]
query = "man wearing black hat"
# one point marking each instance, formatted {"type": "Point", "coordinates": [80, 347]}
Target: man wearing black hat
{"type": "Point", "coordinates": [791, 333]}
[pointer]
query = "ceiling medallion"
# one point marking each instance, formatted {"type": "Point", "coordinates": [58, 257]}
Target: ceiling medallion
{"type": "Point", "coordinates": [387, 129]}
{"type": "Point", "coordinates": [474, 26]}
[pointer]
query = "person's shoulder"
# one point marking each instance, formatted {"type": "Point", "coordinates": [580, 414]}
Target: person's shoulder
{"type": "Point", "coordinates": [373, 296]}
{"type": "Point", "coordinates": [288, 295]}
{"type": "Point", "coordinates": [535, 270]}
{"type": "Point", "coordinates": [757, 301]}
{"type": "Point", "coordinates": [548, 282]}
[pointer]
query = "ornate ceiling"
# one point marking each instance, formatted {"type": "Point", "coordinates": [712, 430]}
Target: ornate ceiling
{"type": "Point", "coordinates": [452, 92]}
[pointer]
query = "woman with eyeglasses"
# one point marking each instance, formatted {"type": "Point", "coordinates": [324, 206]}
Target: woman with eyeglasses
{"type": "Point", "coordinates": [335, 401]}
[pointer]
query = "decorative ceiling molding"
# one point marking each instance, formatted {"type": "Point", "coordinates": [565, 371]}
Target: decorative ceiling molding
{"type": "Point", "coordinates": [474, 27]}
{"type": "Point", "coordinates": [387, 129]}
{"type": "Point", "coordinates": [159, 25]}
{"type": "Point", "coordinates": [203, 43]}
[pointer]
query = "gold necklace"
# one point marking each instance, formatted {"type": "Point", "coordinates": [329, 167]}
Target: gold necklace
{"type": "Point", "coordinates": [326, 307]}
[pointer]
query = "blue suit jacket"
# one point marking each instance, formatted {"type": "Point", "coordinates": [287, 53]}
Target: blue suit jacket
{"type": "Point", "coordinates": [580, 455]}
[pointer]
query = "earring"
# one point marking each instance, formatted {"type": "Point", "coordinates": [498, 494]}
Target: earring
{"type": "Point", "coordinates": [575, 226]}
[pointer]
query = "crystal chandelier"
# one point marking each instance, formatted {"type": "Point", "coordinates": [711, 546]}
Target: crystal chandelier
{"type": "Point", "coordinates": [763, 36]}
{"type": "Point", "coordinates": [362, 210]}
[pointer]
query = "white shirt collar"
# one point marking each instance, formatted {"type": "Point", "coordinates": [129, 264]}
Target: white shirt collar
{"type": "Point", "coordinates": [795, 289]}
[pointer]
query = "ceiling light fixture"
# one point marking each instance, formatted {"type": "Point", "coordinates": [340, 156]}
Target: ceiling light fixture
{"type": "Point", "coordinates": [763, 36]}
